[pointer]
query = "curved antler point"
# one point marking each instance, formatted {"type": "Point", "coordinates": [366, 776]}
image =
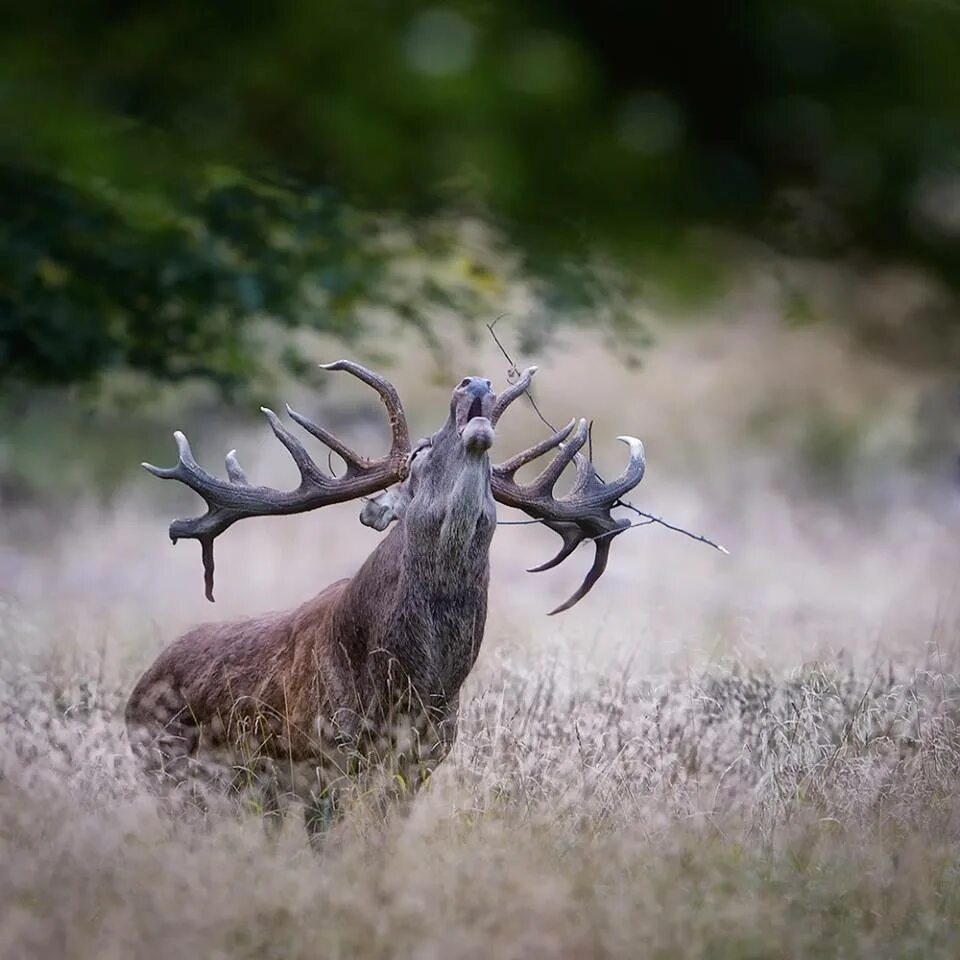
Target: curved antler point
{"type": "Point", "coordinates": [635, 445]}
{"type": "Point", "coordinates": [183, 446]}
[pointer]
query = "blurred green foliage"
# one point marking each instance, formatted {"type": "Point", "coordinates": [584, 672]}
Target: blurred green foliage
{"type": "Point", "coordinates": [97, 277]}
{"type": "Point", "coordinates": [173, 175]}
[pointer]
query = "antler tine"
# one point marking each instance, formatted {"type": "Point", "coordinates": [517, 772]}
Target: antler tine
{"type": "Point", "coordinates": [547, 479]}
{"type": "Point", "coordinates": [593, 575]}
{"type": "Point", "coordinates": [509, 467]}
{"type": "Point", "coordinates": [309, 471]}
{"type": "Point", "coordinates": [234, 470]}
{"type": "Point", "coordinates": [400, 438]}
{"type": "Point", "coordinates": [349, 456]}
{"type": "Point", "coordinates": [511, 394]}
{"type": "Point", "coordinates": [215, 520]}
{"type": "Point", "coordinates": [589, 487]}
{"type": "Point", "coordinates": [187, 470]}
{"type": "Point", "coordinates": [572, 537]}
{"type": "Point", "coordinates": [399, 431]}
{"type": "Point", "coordinates": [584, 513]}
{"type": "Point", "coordinates": [633, 472]}
{"type": "Point", "coordinates": [168, 473]}
{"type": "Point", "coordinates": [235, 498]}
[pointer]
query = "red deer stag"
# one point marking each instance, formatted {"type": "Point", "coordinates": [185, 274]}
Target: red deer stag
{"type": "Point", "coordinates": [372, 666]}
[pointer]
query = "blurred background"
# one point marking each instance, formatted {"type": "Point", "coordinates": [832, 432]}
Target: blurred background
{"type": "Point", "coordinates": [734, 232]}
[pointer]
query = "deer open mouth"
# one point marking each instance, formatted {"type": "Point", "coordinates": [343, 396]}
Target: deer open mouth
{"type": "Point", "coordinates": [467, 414]}
{"type": "Point", "coordinates": [477, 431]}
{"type": "Point", "coordinates": [473, 408]}
{"type": "Point", "coordinates": [476, 409]}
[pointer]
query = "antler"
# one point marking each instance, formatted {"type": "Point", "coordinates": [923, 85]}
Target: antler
{"type": "Point", "coordinates": [584, 513]}
{"type": "Point", "coordinates": [234, 499]}
{"type": "Point", "coordinates": [511, 394]}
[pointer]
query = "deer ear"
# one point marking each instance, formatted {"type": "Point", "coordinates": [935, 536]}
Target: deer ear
{"type": "Point", "coordinates": [380, 511]}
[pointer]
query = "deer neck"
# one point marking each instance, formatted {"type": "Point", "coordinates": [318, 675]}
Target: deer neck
{"type": "Point", "coordinates": [446, 533]}
{"type": "Point", "coordinates": [447, 571]}
{"type": "Point", "coordinates": [422, 594]}
{"type": "Point", "coordinates": [420, 600]}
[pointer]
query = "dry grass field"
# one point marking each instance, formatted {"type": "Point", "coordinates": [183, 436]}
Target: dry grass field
{"type": "Point", "coordinates": [711, 757]}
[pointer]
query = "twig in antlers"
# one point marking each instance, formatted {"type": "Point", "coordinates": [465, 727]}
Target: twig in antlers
{"type": "Point", "coordinates": [647, 518]}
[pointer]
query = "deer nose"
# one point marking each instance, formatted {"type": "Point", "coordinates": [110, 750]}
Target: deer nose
{"type": "Point", "coordinates": [476, 386]}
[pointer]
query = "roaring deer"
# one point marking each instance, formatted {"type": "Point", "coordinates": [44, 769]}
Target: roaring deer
{"type": "Point", "coordinates": [372, 665]}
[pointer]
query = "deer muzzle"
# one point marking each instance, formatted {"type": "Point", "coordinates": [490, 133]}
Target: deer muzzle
{"type": "Point", "coordinates": [473, 404]}
{"type": "Point", "coordinates": [477, 435]}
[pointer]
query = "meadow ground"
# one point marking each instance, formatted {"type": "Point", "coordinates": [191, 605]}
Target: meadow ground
{"type": "Point", "coordinates": [752, 756]}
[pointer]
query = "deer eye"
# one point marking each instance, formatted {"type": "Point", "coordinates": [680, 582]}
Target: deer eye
{"type": "Point", "coordinates": [418, 449]}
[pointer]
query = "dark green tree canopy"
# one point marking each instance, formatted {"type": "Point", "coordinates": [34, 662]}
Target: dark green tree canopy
{"type": "Point", "coordinates": [170, 174]}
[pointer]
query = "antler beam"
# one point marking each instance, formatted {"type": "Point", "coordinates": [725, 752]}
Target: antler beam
{"type": "Point", "coordinates": [235, 498]}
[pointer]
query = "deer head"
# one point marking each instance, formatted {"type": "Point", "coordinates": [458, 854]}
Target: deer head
{"type": "Point", "coordinates": [448, 473]}
{"type": "Point", "coordinates": [442, 489]}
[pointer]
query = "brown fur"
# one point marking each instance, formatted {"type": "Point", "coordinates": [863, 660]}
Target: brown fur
{"type": "Point", "coordinates": [371, 666]}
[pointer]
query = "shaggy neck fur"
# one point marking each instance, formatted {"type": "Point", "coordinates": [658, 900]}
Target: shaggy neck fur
{"type": "Point", "coordinates": [443, 566]}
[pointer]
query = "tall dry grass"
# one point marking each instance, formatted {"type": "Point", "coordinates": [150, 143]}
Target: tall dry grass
{"type": "Point", "coordinates": [710, 757]}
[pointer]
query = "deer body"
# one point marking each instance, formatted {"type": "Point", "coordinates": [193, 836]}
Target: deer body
{"type": "Point", "coordinates": [373, 665]}
{"type": "Point", "coordinates": [364, 663]}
